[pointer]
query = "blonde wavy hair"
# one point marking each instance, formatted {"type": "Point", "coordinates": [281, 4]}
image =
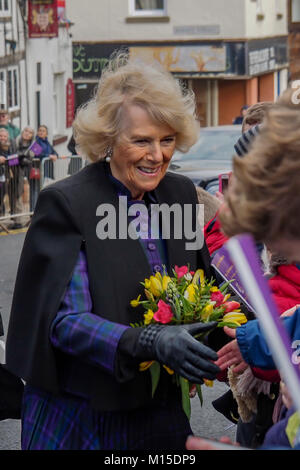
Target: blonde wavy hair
{"type": "Point", "coordinates": [99, 121]}
{"type": "Point", "coordinates": [264, 198]}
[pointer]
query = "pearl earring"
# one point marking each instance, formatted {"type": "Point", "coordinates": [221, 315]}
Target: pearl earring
{"type": "Point", "coordinates": [108, 154]}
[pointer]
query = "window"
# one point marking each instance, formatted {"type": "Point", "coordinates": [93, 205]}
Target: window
{"type": "Point", "coordinates": [5, 7]}
{"type": "Point", "coordinates": [147, 7]}
{"type": "Point", "coordinates": [58, 103]}
{"type": "Point", "coordinates": [3, 96]}
{"type": "Point", "coordinates": [295, 11]}
{"type": "Point", "coordinates": [39, 73]}
{"type": "Point", "coordinates": [13, 99]}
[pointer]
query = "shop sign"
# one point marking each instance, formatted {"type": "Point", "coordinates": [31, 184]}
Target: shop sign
{"type": "Point", "coordinates": [220, 58]}
{"type": "Point", "coordinates": [266, 55]}
{"type": "Point", "coordinates": [90, 59]}
{"type": "Point", "coordinates": [206, 58]}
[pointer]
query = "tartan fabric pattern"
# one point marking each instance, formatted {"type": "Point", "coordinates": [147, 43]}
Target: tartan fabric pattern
{"type": "Point", "coordinates": [68, 423]}
{"type": "Point", "coordinates": [77, 331]}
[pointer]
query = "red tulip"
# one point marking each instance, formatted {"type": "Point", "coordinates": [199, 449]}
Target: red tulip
{"type": "Point", "coordinates": [230, 306]}
{"type": "Point", "coordinates": [217, 297]}
{"type": "Point", "coordinates": [164, 313]}
{"type": "Point", "coordinates": [181, 271]}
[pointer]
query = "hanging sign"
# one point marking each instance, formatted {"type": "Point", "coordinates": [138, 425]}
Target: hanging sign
{"type": "Point", "coordinates": [42, 19]}
{"type": "Point", "coordinates": [70, 103]}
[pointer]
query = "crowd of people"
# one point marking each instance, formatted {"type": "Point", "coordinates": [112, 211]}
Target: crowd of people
{"type": "Point", "coordinates": [70, 337]}
{"type": "Point", "coordinates": [21, 153]}
{"type": "Point", "coordinates": [267, 152]}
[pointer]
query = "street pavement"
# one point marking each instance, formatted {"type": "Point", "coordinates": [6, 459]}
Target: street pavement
{"type": "Point", "coordinates": [205, 421]}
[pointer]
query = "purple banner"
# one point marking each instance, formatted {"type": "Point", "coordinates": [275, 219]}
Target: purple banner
{"type": "Point", "coordinates": [250, 252]}
{"type": "Point", "coordinates": [13, 160]}
{"type": "Point", "coordinates": [225, 267]}
{"type": "Point", "coordinates": [243, 253]}
{"type": "Point", "coordinates": [35, 148]}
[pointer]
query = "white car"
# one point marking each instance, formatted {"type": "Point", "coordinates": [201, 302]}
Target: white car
{"type": "Point", "coordinates": [209, 157]}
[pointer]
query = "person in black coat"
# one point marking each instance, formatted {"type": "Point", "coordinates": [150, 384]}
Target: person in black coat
{"type": "Point", "coordinates": [69, 335]}
{"type": "Point", "coordinates": [9, 176]}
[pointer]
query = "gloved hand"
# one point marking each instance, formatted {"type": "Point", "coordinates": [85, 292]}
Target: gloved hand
{"type": "Point", "coordinates": [175, 347]}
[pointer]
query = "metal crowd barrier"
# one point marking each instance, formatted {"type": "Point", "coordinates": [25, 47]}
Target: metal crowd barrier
{"type": "Point", "coordinates": [20, 184]}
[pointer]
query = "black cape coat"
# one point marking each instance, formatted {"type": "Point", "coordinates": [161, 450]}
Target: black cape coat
{"type": "Point", "coordinates": [65, 219]}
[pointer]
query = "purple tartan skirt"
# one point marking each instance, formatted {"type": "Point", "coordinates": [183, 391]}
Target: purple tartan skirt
{"type": "Point", "coordinates": [69, 423]}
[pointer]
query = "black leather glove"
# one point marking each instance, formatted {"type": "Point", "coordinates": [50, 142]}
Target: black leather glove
{"type": "Point", "coordinates": [175, 347]}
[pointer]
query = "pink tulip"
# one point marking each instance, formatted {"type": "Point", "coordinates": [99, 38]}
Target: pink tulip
{"type": "Point", "coordinates": [164, 313]}
{"type": "Point", "coordinates": [181, 271]}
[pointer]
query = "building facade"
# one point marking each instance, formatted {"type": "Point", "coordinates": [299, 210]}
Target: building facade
{"type": "Point", "coordinates": [13, 90]}
{"type": "Point", "coordinates": [230, 53]}
{"type": "Point", "coordinates": [36, 74]}
{"type": "Point", "coordinates": [49, 77]}
{"type": "Point", "coordinates": [294, 38]}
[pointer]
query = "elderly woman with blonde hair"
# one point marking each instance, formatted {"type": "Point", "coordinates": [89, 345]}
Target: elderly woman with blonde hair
{"type": "Point", "coordinates": [69, 336]}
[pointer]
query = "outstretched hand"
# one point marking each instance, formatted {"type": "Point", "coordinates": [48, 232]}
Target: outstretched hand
{"type": "Point", "coordinates": [198, 443]}
{"type": "Point", "coordinates": [230, 354]}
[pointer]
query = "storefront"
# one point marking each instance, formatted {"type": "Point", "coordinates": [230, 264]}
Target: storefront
{"type": "Point", "coordinates": [224, 75]}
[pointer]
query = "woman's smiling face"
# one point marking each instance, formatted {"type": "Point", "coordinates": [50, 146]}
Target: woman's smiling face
{"type": "Point", "coordinates": [142, 152]}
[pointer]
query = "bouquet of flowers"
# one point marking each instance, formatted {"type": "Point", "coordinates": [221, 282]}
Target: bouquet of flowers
{"type": "Point", "coordinates": [185, 297]}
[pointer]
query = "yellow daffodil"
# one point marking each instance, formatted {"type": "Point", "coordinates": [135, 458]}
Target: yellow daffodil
{"type": "Point", "coordinates": [190, 292]}
{"type": "Point", "coordinates": [148, 316]}
{"type": "Point", "coordinates": [158, 276]}
{"type": "Point", "coordinates": [207, 311]}
{"type": "Point", "coordinates": [214, 289]}
{"type": "Point", "coordinates": [145, 365]}
{"type": "Point", "coordinates": [165, 282]}
{"type": "Point", "coordinates": [235, 317]}
{"type": "Point", "coordinates": [170, 371]}
{"type": "Point", "coordinates": [208, 383]}
{"type": "Point", "coordinates": [148, 295]}
{"type": "Point", "coordinates": [147, 283]}
{"type": "Point", "coordinates": [155, 286]}
{"type": "Point", "coordinates": [202, 278]}
{"type": "Point", "coordinates": [135, 302]}
{"type": "Point", "coordinates": [199, 275]}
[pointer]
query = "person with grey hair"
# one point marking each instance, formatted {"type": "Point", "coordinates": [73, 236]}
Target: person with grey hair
{"type": "Point", "coordinates": [69, 335]}
{"type": "Point", "coordinates": [19, 172]}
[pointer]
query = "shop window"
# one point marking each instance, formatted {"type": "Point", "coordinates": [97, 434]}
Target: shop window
{"type": "Point", "coordinates": [147, 7]}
